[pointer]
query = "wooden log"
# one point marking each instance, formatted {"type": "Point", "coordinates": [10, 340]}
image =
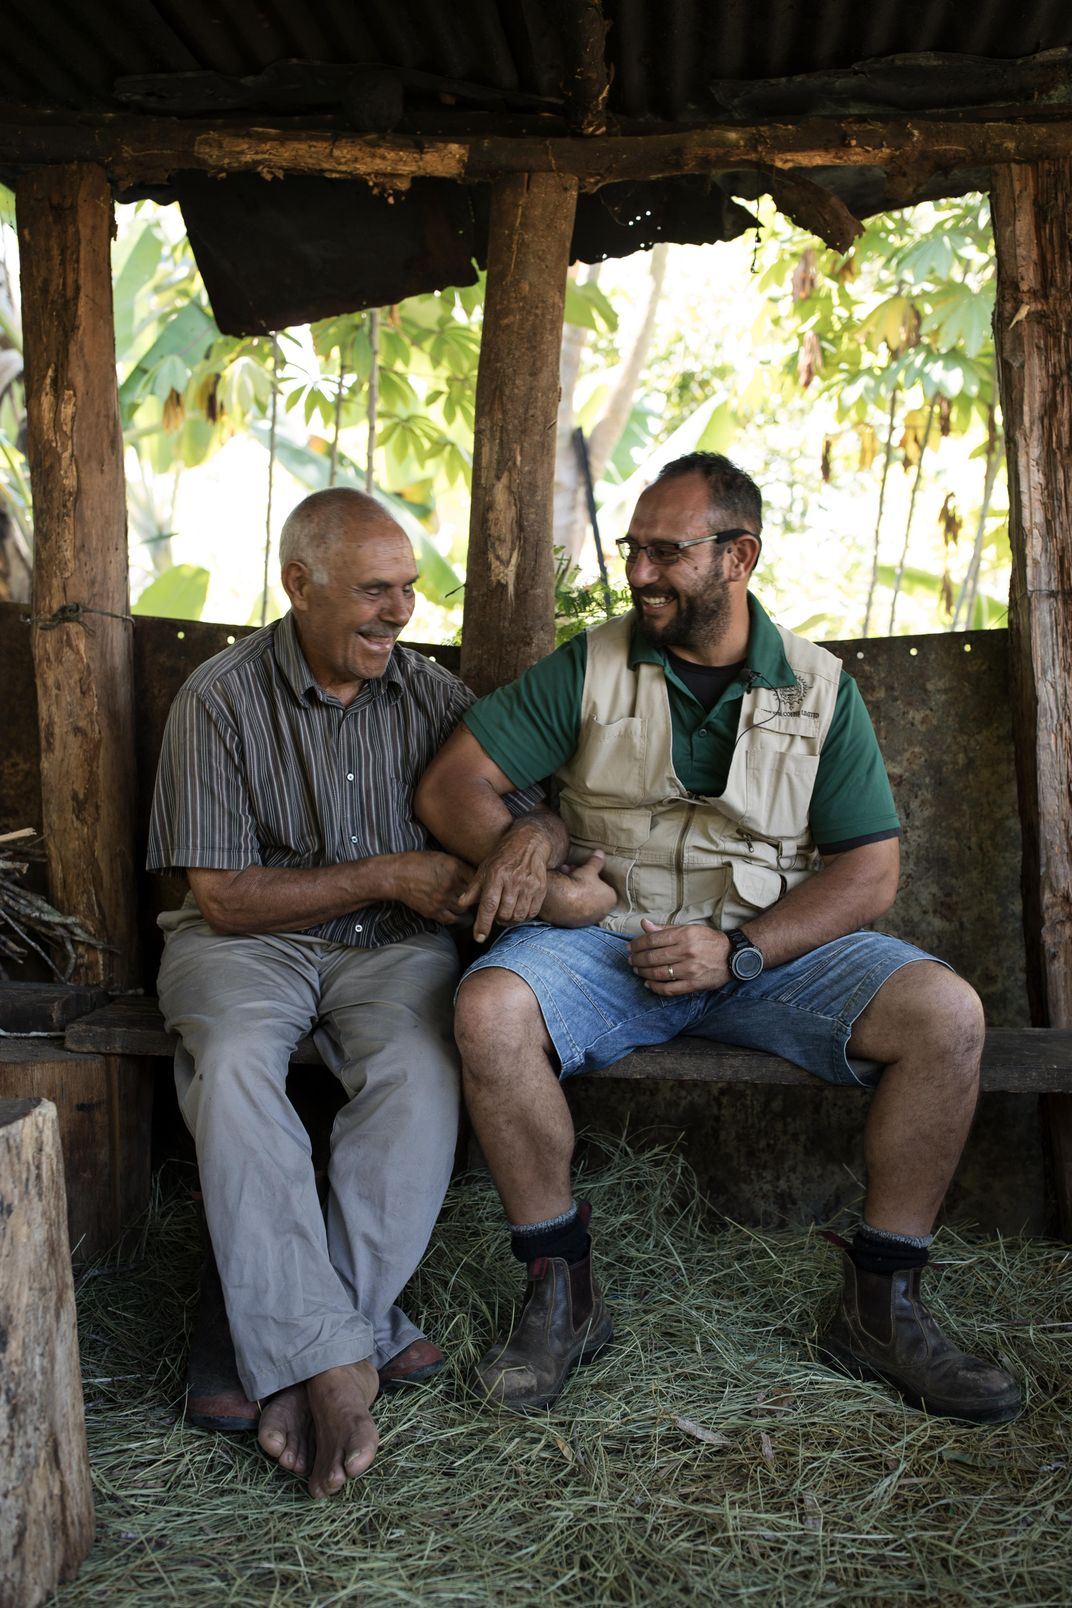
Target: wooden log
{"type": "Point", "coordinates": [46, 1499]}
{"type": "Point", "coordinates": [82, 632]}
{"type": "Point", "coordinates": [1033, 327]}
{"type": "Point", "coordinates": [583, 29]}
{"type": "Point", "coordinates": [144, 150]}
{"type": "Point", "coordinates": [104, 1111]}
{"type": "Point", "coordinates": [509, 589]}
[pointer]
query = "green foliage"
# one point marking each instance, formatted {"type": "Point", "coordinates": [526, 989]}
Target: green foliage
{"type": "Point", "coordinates": [579, 605]}
{"type": "Point", "coordinates": [178, 594]}
{"type": "Point", "coordinates": [897, 327]}
{"type": "Point", "coordinates": [311, 467]}
{"type": "Point", "coordinates": [896, 336]}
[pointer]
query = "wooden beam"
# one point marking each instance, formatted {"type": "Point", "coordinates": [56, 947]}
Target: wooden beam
{"type": "Point", "coordinates": [82, 629]}
{"type": "Point", "coordinates": [142, 150]}
{"type": "Point", "coordinates": [46, 1495]}
{"type": "Point", "coordinates": [509, 589]}
{"type": "Point", "coordinates": [811, 207]}
{"type": "Point", "coordinates": [583, 30]}
{"type": "Point", "coordinates": [1033, 327]}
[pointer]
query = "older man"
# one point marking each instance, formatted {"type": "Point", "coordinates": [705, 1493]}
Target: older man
{"type": "Point", "coordinates": [729, 771]}
{"type": "Point", "coordinates": [285, 794]}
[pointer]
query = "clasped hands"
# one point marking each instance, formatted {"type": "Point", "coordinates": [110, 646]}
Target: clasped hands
{"type": "Point", "coordinates": [515, 884]}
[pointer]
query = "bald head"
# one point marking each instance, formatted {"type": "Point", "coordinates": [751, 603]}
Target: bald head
{"type": "Point", "coordinates": [313, 530]}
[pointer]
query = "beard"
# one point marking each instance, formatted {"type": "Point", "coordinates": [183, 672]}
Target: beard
{"type": "Point", "coordinates": [698, 622]}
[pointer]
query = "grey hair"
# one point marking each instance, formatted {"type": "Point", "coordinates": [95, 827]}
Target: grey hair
{"type": "Point", "coordinates": [311, 530]}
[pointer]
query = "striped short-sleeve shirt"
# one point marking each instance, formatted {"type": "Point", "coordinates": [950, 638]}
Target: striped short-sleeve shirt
{"type": "Point", "coordinates": [259, 766]}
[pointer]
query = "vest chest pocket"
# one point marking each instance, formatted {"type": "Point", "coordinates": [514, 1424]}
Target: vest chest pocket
{"type": "Point", "coordinates": [780, 787]}
{"type": "Point", "coordinates": [611, 757]}
{"type": "Point", "coordinates": [618, 830]}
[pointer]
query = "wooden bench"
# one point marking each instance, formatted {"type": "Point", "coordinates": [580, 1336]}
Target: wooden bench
{"type": "Point", "coordinates": [1018, 1059]}
{"type": "Point", "coordinates": [778, 1144]}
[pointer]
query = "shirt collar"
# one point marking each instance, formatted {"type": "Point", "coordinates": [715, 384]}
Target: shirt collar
{"type": "Point", "coordinates": [765, 655]}
{"type": "Point", "coordinates": [300, 679]}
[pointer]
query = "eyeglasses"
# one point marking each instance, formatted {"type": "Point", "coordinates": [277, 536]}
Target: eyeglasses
{"type": "Point", "coordinates": [664, 553]}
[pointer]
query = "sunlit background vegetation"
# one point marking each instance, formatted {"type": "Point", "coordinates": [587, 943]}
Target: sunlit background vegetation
{"type": "Point", "coordinates": [858, 389]}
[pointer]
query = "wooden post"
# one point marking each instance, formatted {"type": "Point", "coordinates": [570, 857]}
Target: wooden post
{"type": "Point", "coordinates": [1032, 204]}
{"type": "Point", "coordinates": [82, 633]}
{"type": "Point", "coordinates": [509, 588]}
{"type": "Point", "coordinates": [46, 1499]}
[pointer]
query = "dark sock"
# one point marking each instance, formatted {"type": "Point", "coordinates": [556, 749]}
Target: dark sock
{"type": "Point", "coordinates": [565, 1236]}
{"type": "Point", "coordinates": [876, 1250]}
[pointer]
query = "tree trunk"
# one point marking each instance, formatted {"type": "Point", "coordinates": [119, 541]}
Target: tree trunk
{"type": "Point", "coordinates": [46, 1499]}
{"type": "Point", "coordinates": [1033, 336]}
{"type": "Point", "coordinates": [82, 634]}
{"type": "Point", "coordinates": [509, 592]}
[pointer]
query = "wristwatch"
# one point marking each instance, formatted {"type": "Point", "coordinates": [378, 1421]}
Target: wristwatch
{"type": "Point", "coordinates": [746, 961]}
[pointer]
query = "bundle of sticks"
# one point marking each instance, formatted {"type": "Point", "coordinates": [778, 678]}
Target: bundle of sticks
{"type": "Point", "coordinates": [28, 923]}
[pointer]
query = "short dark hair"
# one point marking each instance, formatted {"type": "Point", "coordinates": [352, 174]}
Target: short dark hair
{"type": "Point", "coordinates": [732, 492]}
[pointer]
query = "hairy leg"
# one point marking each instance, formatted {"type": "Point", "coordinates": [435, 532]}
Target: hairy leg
{"type": "Point", "coordinates": [926, 1026]}
{"type": "Point", "coordinates": [513, 1094]}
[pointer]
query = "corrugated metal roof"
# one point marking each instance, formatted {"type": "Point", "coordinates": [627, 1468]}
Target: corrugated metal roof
{"type": "Point", "coordinates": [301, 248]}
{"type": "Point", "coordinates": [664, 53]}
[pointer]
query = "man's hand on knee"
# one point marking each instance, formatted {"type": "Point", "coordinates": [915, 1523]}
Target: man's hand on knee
{"type": "Point", "coordinates": [680, 960]}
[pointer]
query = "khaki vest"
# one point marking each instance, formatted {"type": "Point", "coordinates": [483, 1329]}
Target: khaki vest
{"type": "Point", "coordinates": [679, 856]}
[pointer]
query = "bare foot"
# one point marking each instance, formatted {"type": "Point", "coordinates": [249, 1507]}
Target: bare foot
{"type": "Point", "coordinates": [346, 1437]}
{"type": "Point", "coordinates": [285, 1429]}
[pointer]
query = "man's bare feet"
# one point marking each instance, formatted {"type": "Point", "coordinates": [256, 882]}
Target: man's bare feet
{"type": "Point", "coordinates": [285, 1429]}
{"type": "Point", "coordinates": [346, 1437]}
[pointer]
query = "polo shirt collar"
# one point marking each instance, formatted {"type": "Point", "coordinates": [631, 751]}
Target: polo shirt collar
{"type": "Point", "coordinates": [765, 655]}
{"type": "Point", "coordinates": [300, 679]}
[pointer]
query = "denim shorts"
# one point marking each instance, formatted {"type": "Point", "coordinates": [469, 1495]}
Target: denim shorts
{"type": "Point", "coordinates": [596, 1010]}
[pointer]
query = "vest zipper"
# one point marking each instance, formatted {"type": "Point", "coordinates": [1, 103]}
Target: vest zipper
{"type": "Point", "coordinates": [679, 869]}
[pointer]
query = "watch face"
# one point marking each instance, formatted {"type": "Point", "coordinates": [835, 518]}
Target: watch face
{"type": "Point", "coordinates": [746, 963]}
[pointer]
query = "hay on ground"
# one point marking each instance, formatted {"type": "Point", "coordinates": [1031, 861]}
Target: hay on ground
{"type": "Point", "coordinates": [705, 1457]}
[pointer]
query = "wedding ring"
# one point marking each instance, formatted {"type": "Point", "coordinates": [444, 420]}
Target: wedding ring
{"type": "Point", "coordinates": [670, 973]}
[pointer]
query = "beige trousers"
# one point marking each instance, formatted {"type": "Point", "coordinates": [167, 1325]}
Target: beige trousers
{"type": "Point", "coordinates": [308, 1289]}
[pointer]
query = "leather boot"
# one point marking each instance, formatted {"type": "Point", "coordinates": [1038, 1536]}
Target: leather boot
{"type": "Point", "coordinates": [563, 1323]}
{"type": "Point", "coordinates": [882, 1330]}
{"type": "Point", "coordinates": [419, 1361]}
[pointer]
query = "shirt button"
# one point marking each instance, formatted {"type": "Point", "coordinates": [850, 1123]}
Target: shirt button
{"type": "Point", "coordinates": [358, 927]}
{"type": "Point", "coordinates": [353, 840]}
{"type": "Point", "coordinates": [349, 776]}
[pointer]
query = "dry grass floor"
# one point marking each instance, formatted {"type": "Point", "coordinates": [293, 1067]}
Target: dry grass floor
{"type": "Point", "coordinates": [705, 1458]}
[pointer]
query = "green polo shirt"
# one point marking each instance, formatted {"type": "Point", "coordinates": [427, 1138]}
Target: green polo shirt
{"type": "Point", "coordinates": [530, 728]}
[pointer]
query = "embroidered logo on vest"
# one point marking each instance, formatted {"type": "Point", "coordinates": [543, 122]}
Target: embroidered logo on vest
{"type": "Point", "coordinates": [790, 700]}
